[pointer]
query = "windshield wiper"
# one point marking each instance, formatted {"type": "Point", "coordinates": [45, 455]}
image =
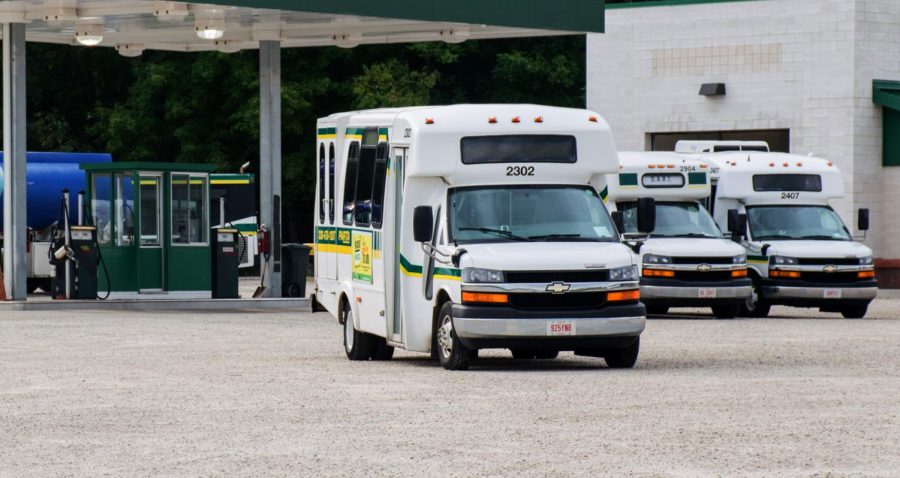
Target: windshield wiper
{"type": "Point", "coordinates": [822, 237]}
{"type": "Point", "coordinates": [692, 234]}
{"type": "Point", "coordinates": [499, 232]}
{"type": "Point", "coordinates": [776, 237]}
{"type": "Point", "coordinates": [553, 236]}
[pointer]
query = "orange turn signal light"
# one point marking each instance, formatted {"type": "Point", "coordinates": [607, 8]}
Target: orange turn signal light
{"type": "Point", "coordinates": [484, 298]}
{"type": "Point", "coordinates": [657, 273]}
{"type": "Point", "coordinates": [785, 274]}
{"type": "Point", "coordinates": [739, 273]}
{"type": "Point", "coordinates": [866, 274]}
{"type": "Point", "coordinates": [623, 296]}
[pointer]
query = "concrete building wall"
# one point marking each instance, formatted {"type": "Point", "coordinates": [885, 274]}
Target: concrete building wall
{"type": "Point", "coordinates": [802, 65]}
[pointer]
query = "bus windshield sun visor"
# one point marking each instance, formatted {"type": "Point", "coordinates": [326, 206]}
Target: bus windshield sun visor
{"type": "Point", "coordinates": [787, 182]}
{"type": "Point", "coordinates": [531, 148]}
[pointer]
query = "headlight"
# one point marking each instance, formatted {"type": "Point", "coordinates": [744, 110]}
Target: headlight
{"type": "Point", "coordinates": [783, 261]}
{"type": "Point", "coordinates": [741, 259]}
{"type": "Point", "coordinates": [654, 259]}
{"type": "Point", "coordinates": [474, 274]}
{"type": "Point", "coordinates": [623, 273]}
{"type": "Point", "coordinates": [866, 261]}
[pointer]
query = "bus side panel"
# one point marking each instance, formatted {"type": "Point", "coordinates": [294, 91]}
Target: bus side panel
{"type": "Point", "coordinates": [417, 310]}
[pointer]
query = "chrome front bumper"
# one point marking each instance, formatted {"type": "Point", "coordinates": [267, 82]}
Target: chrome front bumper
{"type": "Point", "coordinates": [664, 292]}
{"type": "Point", "coordinates": [846, 293]}
{"type": "Point", "coordinates": [478, 328]}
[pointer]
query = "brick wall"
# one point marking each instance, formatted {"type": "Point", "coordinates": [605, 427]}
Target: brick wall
{"type": "Point", "coordinates": [803, 65]}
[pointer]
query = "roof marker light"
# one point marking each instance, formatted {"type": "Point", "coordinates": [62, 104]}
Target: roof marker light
{"type": "Point", "coordinates": [800, 165]}
{"type": "Point", "coordinates": [661, 166]}
{"type": "Point", "coordinates": [592, 118]}
{"type": "Point", "coordinates": [771, 165]}
{"type": "Point", "coordinates": [830, 163]}
{"type": "Point", "coordinates": [704, 166]}
{"type": "Point", "coordinates": [651, 166]}
{"type": "Point", "coordinates": [670, 166]}
{"type": "Point", "coordinates": [492, 120]}
{"type": "Point", "coordinates": [516, 119]}
{"type": "Point", "coordinates": [429, 120]}
{"type": "Point", "coordinates": [539, 119]}
{"type": "Point", "coordinates": [785, 164]}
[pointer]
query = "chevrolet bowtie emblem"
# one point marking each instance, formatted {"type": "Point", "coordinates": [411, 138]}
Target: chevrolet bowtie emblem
{"type": "Point", "coordinates": [830, 269]}
{"type": "Point", "coordinates": [558, 287]}
{"type": "Point", "coordinates": [704, 267]}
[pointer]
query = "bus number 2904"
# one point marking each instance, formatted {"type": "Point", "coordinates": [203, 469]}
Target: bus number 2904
{"type": "Point", "coordinates": [520, 170]}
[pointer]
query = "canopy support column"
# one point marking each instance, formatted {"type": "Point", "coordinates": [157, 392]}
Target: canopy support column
{"type": "Point", "coordinates": [270, 158]}
{"type": "Point", "coordinates": [14, 216]}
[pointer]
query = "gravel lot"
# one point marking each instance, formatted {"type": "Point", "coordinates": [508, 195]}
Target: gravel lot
{"type": "Point", "coordinates": [247, 393]}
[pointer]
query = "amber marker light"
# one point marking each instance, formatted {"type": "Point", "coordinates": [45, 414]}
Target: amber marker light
{"type": "Point", "coordinates": [657, 273]}
{"type": "Point", "coordinates": [624, 296]}
{"type": "Point", "coordinates": [516, 119]}
{"type": "Point", "coordinates": [539, 119]}
{"type": "Point", "coordinates": [429, 120]}
{"type": "Point", "coordinates": [592, 119]}
{"type": "Point", "coordinates": [739, 273]}
{"type": "Point", "coordinates": [785, 274]}
{"type": "Point", "coordinates": [866, 275]}
{"type": "Point", "coordinates": [484, 298]}
{"type": "Point", "coordinates": [492, 120]}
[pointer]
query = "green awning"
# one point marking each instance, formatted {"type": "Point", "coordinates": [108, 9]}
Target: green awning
{"type": "Point", "coordinates": [886, 93]}
{"type": "Point", "coordinates": [568, 15]}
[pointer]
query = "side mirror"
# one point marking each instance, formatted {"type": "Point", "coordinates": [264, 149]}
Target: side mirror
{"type": "Point", "coordinates": [737, 225]}
{"type": "Point", "coordinates": [423, 223]}
{"type": "Point", "coordinates": [619, 221]}
{"type": "Point", "coordinates": [646, 220]}
{"type": "Point", "coordinates": [862, 221]}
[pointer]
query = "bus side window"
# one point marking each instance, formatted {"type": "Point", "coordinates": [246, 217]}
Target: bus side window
{"type": "Point", "coordinates": [331, 184]}
{"type": "Point", "coordinates": [379, 178]}
{"type": "Point", "coordinates": [350, 182]}
{"type": "Point", "coordinates": [362, 209]}
{"type": "Point", "coordinates": [322, 183]}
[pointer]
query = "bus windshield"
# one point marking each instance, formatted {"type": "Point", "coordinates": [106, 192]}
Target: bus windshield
{"type": "Point", "coordinates": [674, 219]}
{"type": "Point", "coordinates": [528, 213]}
{"type": "Point", "coordinates": [796, 223]}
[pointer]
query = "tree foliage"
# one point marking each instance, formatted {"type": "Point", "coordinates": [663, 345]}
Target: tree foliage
{"type": "Point", "coordinates": [204, 107]}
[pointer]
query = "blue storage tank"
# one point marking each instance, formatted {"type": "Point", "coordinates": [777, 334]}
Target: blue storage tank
{"type": "Point", "coordinates": [47, 174]}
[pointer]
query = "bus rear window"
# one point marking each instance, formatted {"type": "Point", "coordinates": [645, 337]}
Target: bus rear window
{"type": "Point", "coordinates": [787, 182]}
{"type": "Point", "coordinates": [530, 148]}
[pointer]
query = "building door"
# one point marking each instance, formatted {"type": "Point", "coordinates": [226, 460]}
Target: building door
{"type": "Point", "coordinates": [150, 259]}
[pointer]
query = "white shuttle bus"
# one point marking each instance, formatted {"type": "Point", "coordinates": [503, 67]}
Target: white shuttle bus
{"type": "Point", "coordinates": [800, 253]}
{"type": "Point", "coordinates": [445, 230]}
{"type": "Point", "coordinates": [686, 261]}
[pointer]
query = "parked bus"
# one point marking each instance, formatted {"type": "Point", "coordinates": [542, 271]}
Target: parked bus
{"type": "Point", "coordinates": [799, 251]}
{"type": "Point", "coordinates": [686, 261]}
{"type": "Point", "coordinates": [450, 229]}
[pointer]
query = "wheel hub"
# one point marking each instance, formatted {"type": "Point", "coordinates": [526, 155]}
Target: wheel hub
{"type": "Point", "coordinates": [444, 336]}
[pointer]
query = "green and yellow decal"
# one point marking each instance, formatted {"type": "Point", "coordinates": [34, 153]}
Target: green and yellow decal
{"type": "Point", "coordinates": [326, 133]}
{"type": "Point", "coordinates": [445, 273]}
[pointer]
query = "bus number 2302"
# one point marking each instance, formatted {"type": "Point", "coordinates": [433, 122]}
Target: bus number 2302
{"type": "Point", "coordinates": [520, 170]}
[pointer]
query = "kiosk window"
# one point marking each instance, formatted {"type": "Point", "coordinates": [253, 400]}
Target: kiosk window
{"type": "Point", "coordinates": [350, 182]}
{"type": "Point", "coordinates": [101, 200]}
{"type": "Point", "coordinates": [189, 216]}
{"type": "Point", "coordinates": [150, 209]}
{"type": "Point", "coordinates": [321, 183]}
{"type": "Point", "coordinates": [787, 182]}
{"type": "Point", "coordinates": [531, 148]}
{"type": "Point", "coordinates": [124, 209]}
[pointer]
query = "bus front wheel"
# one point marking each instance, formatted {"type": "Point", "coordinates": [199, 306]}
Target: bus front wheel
{"type": "Point", "coordinates": [358, 345]}
{"type": "Point", "coordinates": [452, 354]}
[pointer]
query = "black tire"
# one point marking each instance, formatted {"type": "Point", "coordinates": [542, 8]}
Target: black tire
{"type": "Point", "coordinates": [546, 354]}
{"type": "Point", "coordinates": [32, 285]}
{"type": "Point", "coordinates": [657, 309]}
{"type": "Point", "coordinates": [358, 345]}
{"type": "Point", "coordinates": [756, 305]}
{"type": "Point", "coordinates": [292, 290]}
{"type": "Point", "coordinates": [624, 357]}
{"type": "Point", "coordinates": [855, 311]}
{"type": "Point", "coordinates": [452, 354]}
{"type": "Point", "coordinates": [382, 350]}
{"type": "Point", "coordinates": [726, 311]}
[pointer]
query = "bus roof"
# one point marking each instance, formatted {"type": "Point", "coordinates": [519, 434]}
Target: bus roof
{"type": "Point", "coordinates": [661, 175]}
{"type": "Point", "coordinates": [701, 146]}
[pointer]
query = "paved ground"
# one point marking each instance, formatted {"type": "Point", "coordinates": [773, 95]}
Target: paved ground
{"type": "Point", "coordinates": [272, 394]}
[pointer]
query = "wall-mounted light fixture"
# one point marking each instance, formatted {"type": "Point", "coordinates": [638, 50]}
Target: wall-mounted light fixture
{"type": "Point", "coordinates": [712, 89]}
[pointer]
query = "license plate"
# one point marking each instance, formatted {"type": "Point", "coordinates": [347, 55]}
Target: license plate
{"type": "Point", "coordinates": [707, 293]}
{"type": "Point", "coordinates": [832, 293]}
{"type": "Point", "coordinates": [561, 327]}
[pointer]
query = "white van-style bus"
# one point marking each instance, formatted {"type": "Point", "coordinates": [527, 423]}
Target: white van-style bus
{"type": "Point", "coordinates": [456, 228]}
{"type": "Point", "coordinates": [800, 253]}
{"type": "Point", "coordinates": [686, 261]}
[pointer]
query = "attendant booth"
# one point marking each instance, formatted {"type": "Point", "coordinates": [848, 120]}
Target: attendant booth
{"type": "Point", "coordinates": [153, 228]}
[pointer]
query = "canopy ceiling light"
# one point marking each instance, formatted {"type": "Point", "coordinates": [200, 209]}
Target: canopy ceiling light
{"type": "Point", "coordinates": [210, 24]}
{"type": "Point", "coordinates": [89, 33]}
{"type": "Point", "coordinates": [455, 35]}
{"type": "Point", "coordinates": [347, 40]}
{"type": "Point", "coordinates": [170, 11]}
{"type": "Point", "coordinates": [228, 46]}
{"type": "Point", "coordinates": [130, 50]}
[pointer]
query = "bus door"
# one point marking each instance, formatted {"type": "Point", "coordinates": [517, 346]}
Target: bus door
{"type": "Point", "coordinates": [393, 207]}
{"type": "Point", "coordinates": [331, 259]}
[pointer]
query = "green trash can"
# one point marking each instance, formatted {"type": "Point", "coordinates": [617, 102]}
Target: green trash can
{"type": "Point", "coordinates": [294, 262]}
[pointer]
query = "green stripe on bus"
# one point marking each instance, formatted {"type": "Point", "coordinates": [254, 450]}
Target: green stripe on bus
{"type": "Point", "coordinates": [697, 178]}
{"type": "Point", "coordinates": [358, 131]}
{"type": "Point", "coordinates": [628, 179]}
{"type": "Point", "coordinates": [440, 271]}
{"type": "Point", "coordinates": [327, 131]}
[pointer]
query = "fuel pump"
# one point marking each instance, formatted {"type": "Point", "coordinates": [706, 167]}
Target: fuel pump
{"type": "Point", "coordinates": [74, 253]}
